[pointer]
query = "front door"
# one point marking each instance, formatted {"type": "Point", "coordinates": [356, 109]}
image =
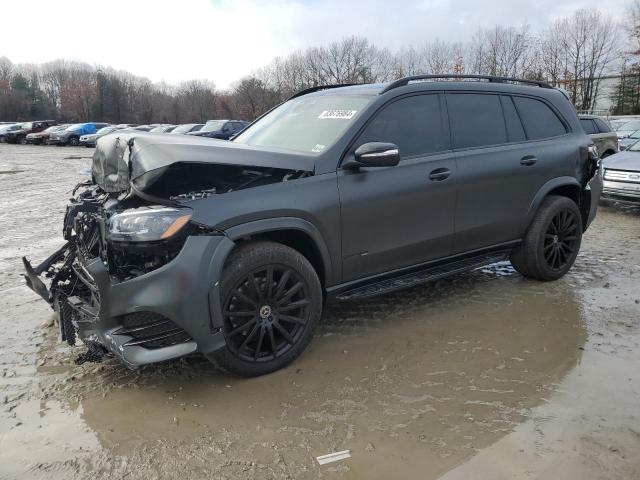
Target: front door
{"type": "Point", "coordinates": [395, 217]}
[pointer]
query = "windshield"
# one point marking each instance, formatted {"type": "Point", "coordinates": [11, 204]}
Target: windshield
{"type": "Point", "coordinates": [308, 124]}
{"type": "Point", "coordinates": [51, 129]}
{"type": "Point", "coordinates": [27, 126]}
{"type": "Point", "coordinates": [160, 129]}
{"type": "Point", "coordinates": [632, 125]}
{"type": "Point", "coordinates": [213, 126]}
{"type": "Point", "coordinates": [634, 147]}
{"type": "Point", "coordinates": [183, 128]}
{"type": "Point", "coordinates": [635, 134]}
{"type": "Point", "coordinates": [105, 130]}
{"type": "Point", "coordinates": [75, 126]}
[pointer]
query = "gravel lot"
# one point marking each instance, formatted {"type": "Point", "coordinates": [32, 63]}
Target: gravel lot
{"type": "Point", "coordinates": [486, 375]}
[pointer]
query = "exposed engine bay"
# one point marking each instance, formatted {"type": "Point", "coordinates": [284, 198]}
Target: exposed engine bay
{"type": "Point", "coordinates": [133, 231]}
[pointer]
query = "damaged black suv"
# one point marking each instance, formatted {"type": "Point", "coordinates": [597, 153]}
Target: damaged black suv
{"type": "Point", "coordinates": [231, 249]}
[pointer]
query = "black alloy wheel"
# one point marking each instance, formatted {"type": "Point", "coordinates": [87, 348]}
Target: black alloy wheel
{"type": "Point", "coordinates": [265, 313]}
{"type": "Point", "coordinates": [561, 239]}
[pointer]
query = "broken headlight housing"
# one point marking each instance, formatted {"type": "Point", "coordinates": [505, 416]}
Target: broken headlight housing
{"type": "Point", "coordinates": [147, 224]}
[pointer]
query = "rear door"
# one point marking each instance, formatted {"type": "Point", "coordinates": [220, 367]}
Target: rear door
{"type": "Point", "coordinates": [394, 217]}
{"type": "Point", "coordinates": [502, 163]}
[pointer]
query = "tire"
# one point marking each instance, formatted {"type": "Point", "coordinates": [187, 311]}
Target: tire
{"type": "Point", "coordinates": [272, 325]}
{"type": "Point", "coordinates": [73, 141]}
{"type": "Point", "coordinates": [552, 241]}
{"type": "Point", "coordinates": [22, 140]}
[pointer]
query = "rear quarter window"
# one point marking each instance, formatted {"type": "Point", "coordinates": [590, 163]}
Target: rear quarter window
{"type": "Point", "coordinates": [588, 126]}
{"type": "Point", "coordinates": [476, 119]}
{"type": "Point", "coordinates": [602, 126]}
{"type": "Point", "coordinates": [539, 120]}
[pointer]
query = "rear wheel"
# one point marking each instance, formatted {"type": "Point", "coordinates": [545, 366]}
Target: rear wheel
{"type": "Point", "coordinates": [552, 242]}
{"type": "Point", "coordinates": [271, 304]}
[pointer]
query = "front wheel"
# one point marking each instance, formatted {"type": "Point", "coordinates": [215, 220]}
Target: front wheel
{"type": "Point", "coordinates": [271, 301]}
{"type": "Point", "coordinates": [74, 141]}
{"type": "Point", "coordinates": [552, 242]}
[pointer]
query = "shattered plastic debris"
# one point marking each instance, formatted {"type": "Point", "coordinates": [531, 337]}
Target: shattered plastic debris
{"type": "Point", "coordinates": [333, 457]}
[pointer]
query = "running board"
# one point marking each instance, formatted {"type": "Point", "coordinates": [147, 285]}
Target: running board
{"type": "Point", "coordinates": [419, 276]}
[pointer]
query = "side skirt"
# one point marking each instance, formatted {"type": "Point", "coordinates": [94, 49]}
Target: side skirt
{"type": "Point", "coordinates": [419, 274]}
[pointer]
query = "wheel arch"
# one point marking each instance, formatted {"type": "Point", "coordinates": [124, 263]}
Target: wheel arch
{"type": "Point", "coordinates": [299, 234]}
{"type": "Point", "coordinates": [564, 187]}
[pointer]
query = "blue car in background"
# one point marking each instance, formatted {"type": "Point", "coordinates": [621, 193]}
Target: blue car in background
{"type": "Point", "coordinates": [71, 135]}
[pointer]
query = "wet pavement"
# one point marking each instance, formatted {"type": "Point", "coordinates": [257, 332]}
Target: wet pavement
{"type": "Point", "coordinates": [485, 375]}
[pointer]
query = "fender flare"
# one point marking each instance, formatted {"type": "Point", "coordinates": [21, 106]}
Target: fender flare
{"type": "Point", "coordinates": [287, 223]}
{"type": "Point", "coordinates": [550, 185]}
{"type": "Point", "coordinates": [232, 234]}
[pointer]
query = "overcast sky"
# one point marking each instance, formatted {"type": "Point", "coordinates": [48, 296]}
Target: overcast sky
{"type": "Point", "coordinates": [222, 40]}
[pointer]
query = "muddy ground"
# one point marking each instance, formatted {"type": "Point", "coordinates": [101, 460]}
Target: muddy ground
{"type": "Point", "coordinates": [486, 375]}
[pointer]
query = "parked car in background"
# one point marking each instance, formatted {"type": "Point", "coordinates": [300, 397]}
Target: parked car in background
{"type": "Point", "coordinates": [223, 129]}
{"type": "Point", "coordinates": [187, 127]}
{"type": "Point", "coordinates": [602, 135]}
{"type": "Point", "coordinates": [142, 128]}
{"type": "Point", "coordinates": [622, 175]}
{"type": "Point", "coordinates": [71, 135]}
{"type": "Point", "coordinates": [20, 135]}
{"type": "Point", "coordinates": [162, 129]}
{"type": "Point", "coordinates": [9, 127]}
{"type": "Point", "coordinates": [90, 139]}
{"type": "Point", "coordinates": [41, 138]}
{"type": "Point", "coordinates": [626, 142]}
{"type": "Point", "coordinates": [628, 128]}
{"type": "Point", "coordinates": [616, 123]}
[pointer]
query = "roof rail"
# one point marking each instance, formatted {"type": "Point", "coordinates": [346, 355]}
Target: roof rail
{"type": "Point", "coordinates": [317, 88]}
{"type": "Point", "coordinates": [491, 79]}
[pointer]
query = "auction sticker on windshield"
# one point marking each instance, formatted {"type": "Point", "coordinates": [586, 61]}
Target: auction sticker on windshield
{"type": "Point", "coordinates": [340, 114]}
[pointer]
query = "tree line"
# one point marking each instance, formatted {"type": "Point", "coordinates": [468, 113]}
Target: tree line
{"type": "Point", "coordinates": [573, 53]}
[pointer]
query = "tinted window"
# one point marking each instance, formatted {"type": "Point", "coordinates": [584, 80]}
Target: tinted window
{"type": "Point", "coordinates": [515, 132]}
{"type": "Point", "coordinates": [588, 126]}
{"type": "Point", "coordinates": [414, 124]}
{"type": "Point", "coordinates": [476, 119]}
{"type": "Point", "coordinates": [602, 126]}
{"type": "Point", "coordinates": [539, 120]}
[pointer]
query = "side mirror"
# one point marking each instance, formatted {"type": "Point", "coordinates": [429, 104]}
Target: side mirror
{"type": "Point", "coordinates": [374, 154]}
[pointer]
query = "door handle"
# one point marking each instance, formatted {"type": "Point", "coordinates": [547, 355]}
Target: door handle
{"type": "Point", "coordinates": [439, 174]}
{"type": "Point", "coordinates": [528, 160]}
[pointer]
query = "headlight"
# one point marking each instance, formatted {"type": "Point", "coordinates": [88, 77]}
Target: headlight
{"type": "Point", "coordinates": [147, 224]}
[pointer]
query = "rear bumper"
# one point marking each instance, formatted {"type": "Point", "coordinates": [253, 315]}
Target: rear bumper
{"type": "Point", "coordinates": [183, 293]}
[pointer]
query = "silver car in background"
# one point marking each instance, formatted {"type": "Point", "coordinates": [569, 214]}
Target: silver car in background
{"type": "Point", "coordinates": [622, 176]}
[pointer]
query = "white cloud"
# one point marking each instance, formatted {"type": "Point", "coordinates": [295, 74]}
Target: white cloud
{"type": "Point", "coordinates": [224, 39]}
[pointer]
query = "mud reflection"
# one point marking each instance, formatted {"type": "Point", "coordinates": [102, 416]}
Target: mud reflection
{"type": "Point", "coordinates": [424, 377]}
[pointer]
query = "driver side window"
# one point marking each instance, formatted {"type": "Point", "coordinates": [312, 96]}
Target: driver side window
{"type": "Point", "coordinates": [414, 124]}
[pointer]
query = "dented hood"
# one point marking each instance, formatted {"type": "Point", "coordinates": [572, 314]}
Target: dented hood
{"type": "Point", "coordinates": [141, 158]}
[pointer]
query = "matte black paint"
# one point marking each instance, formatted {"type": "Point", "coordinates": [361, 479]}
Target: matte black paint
{"type": "Point", "coordinates": [364, 221]}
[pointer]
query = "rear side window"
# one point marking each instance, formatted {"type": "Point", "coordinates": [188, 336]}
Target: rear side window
{"type": "Point", "coordinates": [413, 123]}
{"type": "Point", "coordinates": [602, 126]}
{"type": "Point", "coordinates": [588, 126]}
{"type": "Point", "coordinates": [476, 120]}
{"type": "Point", "coordinates": [538, 119]}
{"type": "Point", "coordinates": [515, 132]}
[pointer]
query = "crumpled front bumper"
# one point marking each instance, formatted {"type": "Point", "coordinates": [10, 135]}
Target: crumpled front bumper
{"type": "Point", "coordinates": [184, 291]}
